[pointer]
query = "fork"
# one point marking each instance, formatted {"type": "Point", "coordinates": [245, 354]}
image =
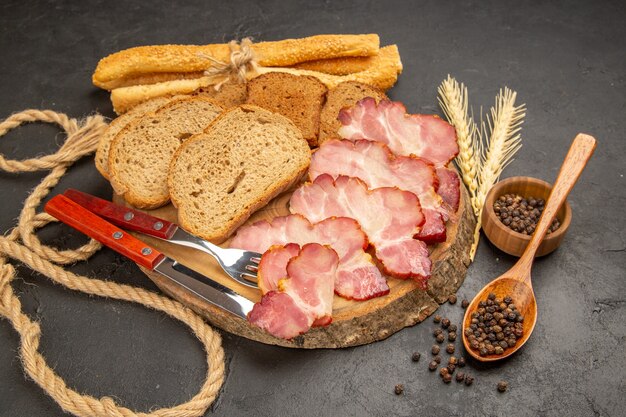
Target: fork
{"type": "Point", "coordinates": [241, 265]}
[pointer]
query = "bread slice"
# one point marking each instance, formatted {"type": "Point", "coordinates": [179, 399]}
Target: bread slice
{"type": "Point", "coordinates": [140, 153]}
{"type": "Point", "coordinates": [229, 95]}
{"type": "Point", "coordinates": [117, 124]}
{"type": "Point", "coordinates": [299, 98]}
{"type": "Point", "coordinates": [346, 94]}
{"type": "Point", "coordinates": [246, 157]}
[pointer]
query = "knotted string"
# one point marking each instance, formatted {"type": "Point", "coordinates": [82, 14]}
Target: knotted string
{"type": "Point", "coordinates": [242, 60]}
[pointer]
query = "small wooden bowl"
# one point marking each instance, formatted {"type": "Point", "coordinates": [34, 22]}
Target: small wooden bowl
{"type": "Point", "coordinates": [510, 241]}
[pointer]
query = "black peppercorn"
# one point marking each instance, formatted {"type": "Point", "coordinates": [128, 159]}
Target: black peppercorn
{"type": "Point", "coordinates": [444, 371]}
{"type": "Point", "coordinates": [437, 332]}
{"type": "Point", "coordinates": [447, 378]}
{"type": "Point", "coordinates": [451, 336]}
{"type": "Point", "coordinates": [435, 349]}
{"type": "Point", "coordinates": [445, 323]}
{"type": "Point", "coordinates": [460, 376]}
{"type": "Point", "coordinates": [398, 389]}
{"type": "Point", "coordinates": [450, 348]}
{"type": "Point", "coordinates": [461, 362]}
{"type": "Point", "coordinates": [452, 328]}
{"type": "Point", "coordinates": [469, 380]}
{"type": "Point", "coordinates": [491, 296]}
{"type": "Point", "coordinates": [440, 338]}
{"type": "Point", "coordinates": [464, 303]}
{"type": "Point", "coordinates": [432, 365]}
{"type": "Point", "coordinates": [502, 386]}
{"type": "Point", "coordinates": [451, 367]}
{"type": "Point", "coordinates": [437, 318]}
{"type": "Point", "coordinates": [452, 299]}
{"type": "Point", "coordinates": [416, 356]}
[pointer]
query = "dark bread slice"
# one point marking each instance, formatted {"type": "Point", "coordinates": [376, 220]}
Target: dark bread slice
{"type": "Point", "coordinates": [141, 152]}
{"type": "Point", "coordinates": [299, 98]}
{"type": "Point", "coordinates": [229, 95]}
{"type": "Point", "coordinates": [246, 157]}
{"type": "Point", "coordinates": [346, 94]}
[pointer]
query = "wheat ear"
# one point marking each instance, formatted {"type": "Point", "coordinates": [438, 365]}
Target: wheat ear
{"type": "Point", "coordinates": [453, 101]}
{"type": "Point", "coordinates": [497, 151]}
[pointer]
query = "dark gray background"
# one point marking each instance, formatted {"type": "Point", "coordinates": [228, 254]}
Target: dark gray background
{"type": "Point", "coordinates": [567, 60]}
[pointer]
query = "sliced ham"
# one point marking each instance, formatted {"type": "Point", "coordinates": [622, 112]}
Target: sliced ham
{"type": "Point", "coordinates": [303, 298]}
{"type": "Point", "coordinates": [449, 187]}
{"type": "Point", "coordinates": [273, 266]}
{"type": "Point", "coordinates": [389, 216]}
{"type": "Point", "coordinates": [426, 136]}
{"type": "Point", "coordinates": [377, 166]}
{"type": "Point", "coordinates": [357, 276]}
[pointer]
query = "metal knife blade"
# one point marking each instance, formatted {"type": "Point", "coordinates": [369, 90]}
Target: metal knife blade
{"type": "Point", "coordinates": [204, 287]}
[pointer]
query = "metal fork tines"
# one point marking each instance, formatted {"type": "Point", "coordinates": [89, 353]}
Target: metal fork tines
{"type": "Point", "coordinates": [239, 264]}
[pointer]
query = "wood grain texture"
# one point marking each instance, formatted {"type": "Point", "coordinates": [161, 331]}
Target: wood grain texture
{"type": "Point", "coordinates": [83, 220]}
{"type": "Point", "coordinates": [354, 323]}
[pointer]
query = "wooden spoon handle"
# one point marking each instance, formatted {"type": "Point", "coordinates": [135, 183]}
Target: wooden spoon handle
{"type": "Point", "coordinates": [579, 153]}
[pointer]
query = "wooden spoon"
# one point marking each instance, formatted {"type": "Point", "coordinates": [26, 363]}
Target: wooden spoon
{"type": "Point", "coordinates": [516, 281]}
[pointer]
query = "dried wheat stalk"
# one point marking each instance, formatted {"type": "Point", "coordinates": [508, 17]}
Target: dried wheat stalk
{"type": "Point", "coordinates": [485, 152]}
{"type": "Point", "coordinates": [497, 152]}
{"type": "Point", "coordinates": [453, 101]}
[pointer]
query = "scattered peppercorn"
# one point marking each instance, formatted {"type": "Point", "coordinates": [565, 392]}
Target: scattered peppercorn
{"type": "Point", "coordinates": [495, 327]}
{"type": "Point", "coordinates": [450, 348]}
{"type": "Point", "coordinates": [452, 328]}
{"type": "Point", "coordinates": [432, 365]}
{"type": "Point", "coordinates": [437, 332]}
{"type": "Point", "coordinates": [521, 214]}
{"type": "Point", "coordinates": [453, 360]}
{"type": "Point", "coordinates": [451, 367]}
{"type": "Point", "coordinates": [447, 378]}
{"type": "Point", "coordinates": [440, 338]}
{"type": "Point", "coordinates": [435, 349]}
{"type": "Point", "coordinates": [451, 336]}
{"type": "Point", "coordinates": [445, 323]}
{"type": "Point", "coordinates": [460, 376]}
{"type": "Point", "coordinates": [469, 380]}
{"type": "Point", "coordinates": [452, 299]}
{"type": "Point", "coordinates": [437, 359]}
{"type": "Point", "coordinates": [502, 386]}
{"type": "Point", "coordinates": [443, 371]}
{"type": "Point", "coordinates": [464, 303]}
{"type": "Point", "coordinates": [416, 356]}
{"type": "Point", "coordinates": [399, 389]}
{"type": "Point", "coordinates": [461, 362]}
{"type": "Point", "coordinates": [437, 318]}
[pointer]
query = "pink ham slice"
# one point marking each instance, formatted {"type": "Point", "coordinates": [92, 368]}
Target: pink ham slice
{"type": "Point", "coordinates": [426, 136]}
{"type": "Point", "coordinates": [357, 277]}
{"type": "Point", "coordinates": [303, 298]}
{"type": "Point", "coordinates": [449, 187]}
{"type": "Point", "coordinates": [389, 216]}
{"type": "Point", "coordinates": [376, 165]}
{"type": "Point", "coordinates": [273, 266]}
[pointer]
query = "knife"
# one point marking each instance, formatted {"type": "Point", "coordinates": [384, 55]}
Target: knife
{"type": "Point", "coordinates": [239, 264]}
{"type": "Point", "coordinates": [92, 225]}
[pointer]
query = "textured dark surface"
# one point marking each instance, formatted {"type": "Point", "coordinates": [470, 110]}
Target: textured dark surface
{"type": "Point", "coordinates": [567, 60]}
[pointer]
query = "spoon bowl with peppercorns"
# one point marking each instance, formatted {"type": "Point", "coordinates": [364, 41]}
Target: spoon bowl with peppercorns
{"type": "Point", "coordinates": [502, 316]}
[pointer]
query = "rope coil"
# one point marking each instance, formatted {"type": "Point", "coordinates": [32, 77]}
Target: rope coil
{"type": "Point", "coordinates": [22, 244]}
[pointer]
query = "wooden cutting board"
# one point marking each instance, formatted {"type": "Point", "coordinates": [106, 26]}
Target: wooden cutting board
{"type": "Point", "coordinates": [354, 322]}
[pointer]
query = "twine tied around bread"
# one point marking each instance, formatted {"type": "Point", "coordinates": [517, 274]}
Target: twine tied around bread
{"type": "Point", "coordinates": [23, 245]}
{"type": "Point", "coordinates": [242, 60]}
